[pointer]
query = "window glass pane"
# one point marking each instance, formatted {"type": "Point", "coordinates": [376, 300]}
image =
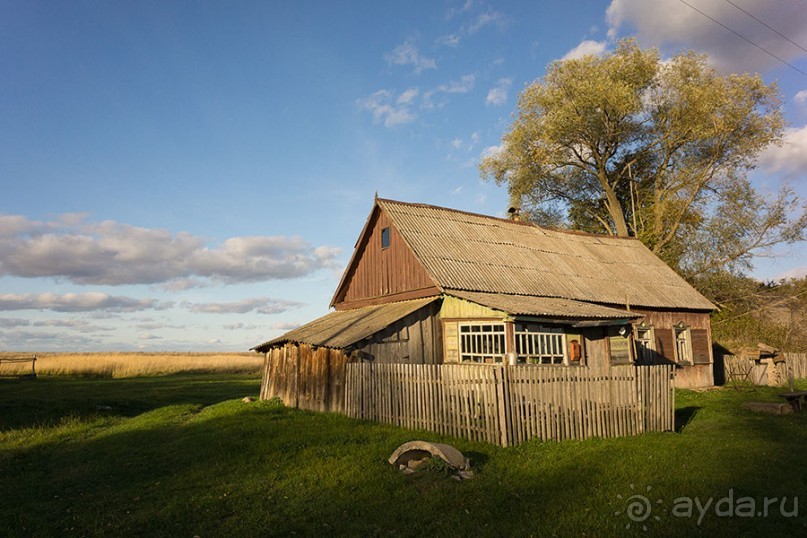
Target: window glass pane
{"type": "Point", "coordinates": [482, 344]}
{"type": "Point", "coordinates": [540, 345]}
{"type": "Point", "coordinates": [385, 237]}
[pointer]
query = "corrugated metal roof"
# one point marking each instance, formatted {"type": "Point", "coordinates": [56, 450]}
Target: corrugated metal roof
{"type": "Point", "coordinates": [464, 251]}
{"type": "Point", "coordinates": [547, 307]}
{"type": "Point", "coordinates": [344, 328]}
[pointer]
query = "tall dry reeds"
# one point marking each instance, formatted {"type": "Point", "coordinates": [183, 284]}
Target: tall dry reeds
{"type": "Point", "coordinates": [128, 364]}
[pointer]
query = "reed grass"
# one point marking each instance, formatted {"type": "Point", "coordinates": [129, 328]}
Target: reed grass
{"type": "Point", "coordinates": [130, 364]}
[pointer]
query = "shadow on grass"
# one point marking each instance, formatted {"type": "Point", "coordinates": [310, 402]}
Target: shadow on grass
{"type": "Point", "coordinates": [260, 469]}
{"type": "Point", "coordinates": [684, 416]}
{"type": "Point", "coordinates": [51, 399]}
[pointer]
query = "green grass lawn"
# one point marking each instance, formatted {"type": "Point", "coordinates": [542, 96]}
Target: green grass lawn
{"type": "Point", "coordinates": [181, 455]}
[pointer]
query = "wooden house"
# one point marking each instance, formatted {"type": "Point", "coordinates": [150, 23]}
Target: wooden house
{"type": "Point", "coordinates": [428, 284]}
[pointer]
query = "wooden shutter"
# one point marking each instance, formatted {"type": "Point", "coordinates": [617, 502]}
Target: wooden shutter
{"type": "Point", "coordinates": [700, 346]}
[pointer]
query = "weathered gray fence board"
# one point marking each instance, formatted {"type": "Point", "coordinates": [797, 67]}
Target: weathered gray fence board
{"type": "Point", "coordinates": [510, 405]}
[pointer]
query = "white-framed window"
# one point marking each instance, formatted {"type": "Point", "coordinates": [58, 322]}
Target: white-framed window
{"type": "Point", "coordinates": [683, 343]}
{"type": "Point", "coordinates": [645, 343]}
{"type": "Point", "coordinates": [540, 345]}
{"type": "Point", "coordinates": [482, 342]}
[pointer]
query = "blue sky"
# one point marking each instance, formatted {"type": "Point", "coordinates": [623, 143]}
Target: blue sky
{"type": "Point", "coordinates": [193, 175]}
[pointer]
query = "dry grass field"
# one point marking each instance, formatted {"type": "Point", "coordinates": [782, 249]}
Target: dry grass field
{"type": "Point", "coordinates": [130, 364]}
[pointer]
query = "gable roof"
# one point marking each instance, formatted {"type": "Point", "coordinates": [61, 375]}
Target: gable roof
{"type": "Point", "coordinates": [343, 328]}
{"type": "Point", "coordinates": [477, 253]}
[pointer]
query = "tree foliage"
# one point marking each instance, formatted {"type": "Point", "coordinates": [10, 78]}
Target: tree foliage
{"type": "Point", "coordinates": [774, 313]}
{"type": "Point", "coordinates": [628, 144]}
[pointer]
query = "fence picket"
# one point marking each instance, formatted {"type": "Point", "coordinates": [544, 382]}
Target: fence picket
{"type": "Point", "coordinates": [501, 404]}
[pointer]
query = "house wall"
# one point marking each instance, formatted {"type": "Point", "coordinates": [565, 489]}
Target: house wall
{"type": "Point", "coordinates": [415, 339]}
{"type": "Point", "coordinates": [700, 373]}
{"type": "Point", "coordinates": [383, 274]}
{"type": "Point", "coordinates": [455, 311]}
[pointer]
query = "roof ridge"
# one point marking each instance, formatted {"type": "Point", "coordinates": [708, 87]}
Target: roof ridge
{"type": "Point", "coordinates": [526, 223]}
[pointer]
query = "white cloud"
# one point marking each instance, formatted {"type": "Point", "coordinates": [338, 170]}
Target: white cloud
{"type": "Point", "coordinates": [9, 323]}
{"type": "Point", "coordinates": [148, 336]}
{"type": "Point", "coordinates": [586, 48]}
{"type": "Point", "coordinates": [795, 272]}
{"type": "Point", "coordinates": [261, 305]}
{"type": "Point", "coordinates": [801, 99]}
{"type": "Point", "coordinates": [407, 96]}
{"type": "Point", "coordinates": [79, 325]}
{"type": "Point", "coordinates": [452, 40]}
{"type": "Point", "coordinates": [492, 151]}
{"type": "Point", "coordinates": [386, 108]}
{"type": "Point", "coordinates": [497, 95]}
{"type": "Point", "coordinates": [486, 19]}
{"type": "Point", "coordinates": [241, 327]}
{"type": "Point", "coordinates": [791, 157]}
{"type": "Point", "coordinates": [453, 12]}
{"type": "Point", "coordinates": [463, 85]}
{"type": "Point", "coordinates": [77, 302]}
{"type": "Point", "coordinates": [285, 326]}
{"type": "Point", "coordinates": [408, 54]}
{"type": "Point", "coordinates": [673, 25]}
{"type": "Point", "coordinates": [112, 253]}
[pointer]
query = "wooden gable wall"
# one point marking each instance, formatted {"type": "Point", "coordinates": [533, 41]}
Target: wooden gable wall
{"type": "Point", "coordinates": [378, 275]}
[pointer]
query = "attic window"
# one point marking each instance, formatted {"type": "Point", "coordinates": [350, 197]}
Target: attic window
{"type": "Point", "coordinates": [385, 237]}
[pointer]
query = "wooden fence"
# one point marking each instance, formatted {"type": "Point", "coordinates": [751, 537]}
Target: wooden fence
{"type": "Point", "coordinates": [507, 405]}
{"type": "Point", "coordinates": [742, 369]}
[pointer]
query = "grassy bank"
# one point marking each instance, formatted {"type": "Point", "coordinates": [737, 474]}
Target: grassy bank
{"type": "Point", "coordinates": [114, 364]}
{"type": "Point", "coordinates": [182, 455]}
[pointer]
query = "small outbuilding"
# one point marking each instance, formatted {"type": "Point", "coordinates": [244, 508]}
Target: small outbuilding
{"type": "Point", "coordinates": [428, 284]}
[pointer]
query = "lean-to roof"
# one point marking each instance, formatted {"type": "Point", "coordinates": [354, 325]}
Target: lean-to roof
{"type": "Point", "coordinates": [343, 328]}
{"type": "Point", "coordinates": [545, 307]}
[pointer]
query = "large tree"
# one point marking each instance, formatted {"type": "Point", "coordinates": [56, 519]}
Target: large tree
{"type": "Point", "coordinates": [628, 144]}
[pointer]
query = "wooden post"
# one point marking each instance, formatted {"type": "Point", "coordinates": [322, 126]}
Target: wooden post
{"type": "Point", "coordinates": [501, 380]}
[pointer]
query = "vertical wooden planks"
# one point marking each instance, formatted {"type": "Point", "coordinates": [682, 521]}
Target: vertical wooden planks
{"type": "Point", "coordinates": [499, 404]}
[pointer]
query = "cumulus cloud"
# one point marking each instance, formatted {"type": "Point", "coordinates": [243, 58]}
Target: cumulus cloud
{"type": "Point", "coordinates": [77, 302]}
{"type": "Point", "coordinates": [586, 48]}
{"type": "Point", "coordinates": [791, 157]}
{"type": "Point", "coordinates": [111, 253]}
{"type": "Point", "coordinates": [492, 151]}
{"type": "Point", "coordinates": [261, 305]}
{"type": "Point", "coordinates": [241, 327]}
{"type": "Point", "coordinates": [148, 336]}
{"type": "Point", "coordinates": [497, 95]}
{"type": "Point", "coordinates": [408, 54]}
{"type": "Point", "coordinates": [673, 25]}
{"type": "Point", "coordinates": [391, 108]}
{"type": "Point", "coordinates": [47, 340]}
{"type": "Point", "coordinates": [387, 108]}
{"type": "Point", "coordinates": [801, 99]}
{"type": "Point", "coordinates": [79, 325]}
{"type": "Point", "coordinates": [463, 85]}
